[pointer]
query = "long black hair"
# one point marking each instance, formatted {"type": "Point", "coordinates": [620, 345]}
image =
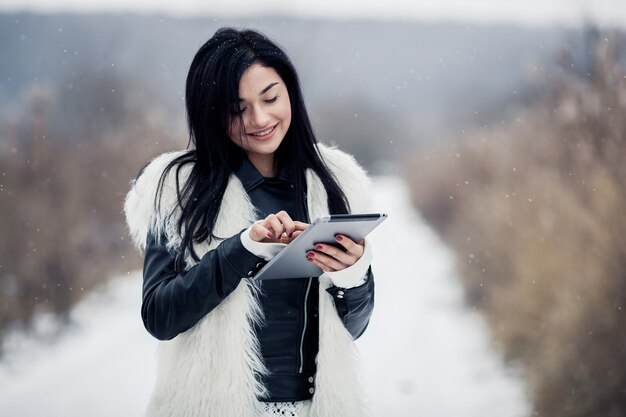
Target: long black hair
{"type": "Point", "coordinates": [212, 92]}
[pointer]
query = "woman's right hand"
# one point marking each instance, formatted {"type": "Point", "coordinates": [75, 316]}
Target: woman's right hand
{"type": "Point", "coordinates": [277, 228]}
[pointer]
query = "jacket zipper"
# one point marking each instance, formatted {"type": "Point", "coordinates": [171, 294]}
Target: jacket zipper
{"type": "Point", "coordinates": [306, 298]}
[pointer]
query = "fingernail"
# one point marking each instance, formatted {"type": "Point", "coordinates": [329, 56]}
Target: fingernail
{"type": "Point", "coordinates": [338, 238]}
{"type": "Point", "coordinates": [269, 234]}
{"type": "Point", "coordinates": [309, 254]}
{"type": "Point", "coordinates": [318, 247]}
{"type": "Point", "coordinates": [309, 259]}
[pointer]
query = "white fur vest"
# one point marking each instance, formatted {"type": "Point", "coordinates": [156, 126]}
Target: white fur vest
{"type": "Point", "coordinates": [209, 370]}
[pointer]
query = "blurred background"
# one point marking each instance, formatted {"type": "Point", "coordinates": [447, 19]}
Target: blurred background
{"type": "Point", "coordinates": [496, 135]}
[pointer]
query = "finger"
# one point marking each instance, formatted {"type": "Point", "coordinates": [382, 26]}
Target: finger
{"type": "Point", "coordinates": [326, 260]}
{"type": "Point", "coordinates": [258, 232]}
{"type": "Point", "coordinates": [338, 254]}
{"type": "Point", "coordinates": [322, 266]}
{"type": "Point", "coordinates": [287, 240]}
{"type": "Point", "coordinates": [272, 222]}
{"type": "Point", "coordinates": [286, 221]}
{"type": "Point", "coordinates": [301, 226]}
{"type": "Point", "coordinates": [352, 247]}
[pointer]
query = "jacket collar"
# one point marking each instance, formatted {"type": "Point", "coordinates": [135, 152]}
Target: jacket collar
{"type": "Point", "coordinates": [251, 178]}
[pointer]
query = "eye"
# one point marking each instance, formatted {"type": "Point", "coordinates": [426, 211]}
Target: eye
{"type": "Point", "coordinates": [271, 100]}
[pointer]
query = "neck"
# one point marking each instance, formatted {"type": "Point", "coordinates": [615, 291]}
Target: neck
{"type": "Point", "coordinates": [263, 163]}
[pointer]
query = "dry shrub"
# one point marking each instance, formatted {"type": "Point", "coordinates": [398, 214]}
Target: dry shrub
{"type": "Point", "coordinates": [535, 213]}
{"type": "Point", "coordinates": [61, 201]}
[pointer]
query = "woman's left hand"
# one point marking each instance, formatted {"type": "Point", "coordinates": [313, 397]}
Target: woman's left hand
{"type": "Point", "coordinates": [330, 258]}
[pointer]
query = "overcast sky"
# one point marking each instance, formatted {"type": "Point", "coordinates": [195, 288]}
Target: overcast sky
{"type": "Point", "coordinates": [566, 12]}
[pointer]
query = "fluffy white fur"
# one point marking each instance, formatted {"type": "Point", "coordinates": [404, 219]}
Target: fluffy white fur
{"type": "Point", "coordinates": [210, 369]}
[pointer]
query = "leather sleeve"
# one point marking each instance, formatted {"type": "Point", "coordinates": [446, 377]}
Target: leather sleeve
{"type": "Point", "coordinates": [173, 303]}
{"type": "Point", "coordinates": [355, 305]}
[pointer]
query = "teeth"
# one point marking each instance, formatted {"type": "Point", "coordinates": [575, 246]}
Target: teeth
{"type": "Point", "coordinates": [265, 132]}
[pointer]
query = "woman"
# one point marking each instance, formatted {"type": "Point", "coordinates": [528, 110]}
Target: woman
{"type": "Point", "coordinates": [253, 180]}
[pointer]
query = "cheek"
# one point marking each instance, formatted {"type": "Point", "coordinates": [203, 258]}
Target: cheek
{"type": "Point", "coordinates": [235, 131]}
{"type": "Point", "coordinates": [286, 112]}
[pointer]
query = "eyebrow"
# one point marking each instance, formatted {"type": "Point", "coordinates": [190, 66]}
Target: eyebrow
{"type": "Point", "coordinates": [265, 90]}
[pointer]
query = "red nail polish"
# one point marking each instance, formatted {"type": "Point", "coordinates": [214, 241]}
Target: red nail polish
{"type": "Point", "coordinates": [318, 247]}
{"type": "Point", "coordinates": [309, 254]}
{"type": "Point", "coordinates": [338, 238]}
{"type": "Point", "coordinates": [269, 234]}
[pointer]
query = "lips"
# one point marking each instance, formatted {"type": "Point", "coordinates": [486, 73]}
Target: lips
{"type": "Point", "coordinates": [264, 133]}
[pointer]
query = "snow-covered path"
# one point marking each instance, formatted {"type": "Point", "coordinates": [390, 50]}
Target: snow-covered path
{"type": "Point", "coordinates": [424, 353]}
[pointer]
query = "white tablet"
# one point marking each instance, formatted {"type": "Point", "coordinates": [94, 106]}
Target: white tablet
{"type": "Point", "coordinates": [291, 262]}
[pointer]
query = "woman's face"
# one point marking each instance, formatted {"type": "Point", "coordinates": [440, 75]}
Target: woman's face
{"type": "Point", "coordinates": [265, 111]}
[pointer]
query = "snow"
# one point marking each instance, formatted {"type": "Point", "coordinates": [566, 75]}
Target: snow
{"type": "Point", "coordinates": [424, 352]}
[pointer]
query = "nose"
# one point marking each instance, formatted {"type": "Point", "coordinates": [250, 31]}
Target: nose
{"type": "Point", "coordinates": [258, 117]}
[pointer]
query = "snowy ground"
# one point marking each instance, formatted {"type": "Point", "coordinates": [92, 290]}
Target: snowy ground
{"type": "Point", "coordinates": [424, 353]}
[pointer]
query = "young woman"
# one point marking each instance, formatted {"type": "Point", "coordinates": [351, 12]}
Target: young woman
{"type": "Point", "coordinates": [208, 218]}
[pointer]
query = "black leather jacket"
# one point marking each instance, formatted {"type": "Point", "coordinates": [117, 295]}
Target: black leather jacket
{"type": "Point", "coordinates": [172, 303]}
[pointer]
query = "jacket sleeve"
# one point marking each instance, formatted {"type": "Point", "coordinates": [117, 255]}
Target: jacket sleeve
{"type": "Point", "coordinates": [173, 303]}
{"type": "Point", "coordinates": [355, 305]}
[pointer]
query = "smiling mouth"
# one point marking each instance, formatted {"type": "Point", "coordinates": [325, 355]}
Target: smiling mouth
{"type": "Point", "coordinates": [264, 132]}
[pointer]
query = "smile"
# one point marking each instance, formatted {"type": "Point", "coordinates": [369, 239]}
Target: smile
{"type": "Point", "coordinates": [264, 132]}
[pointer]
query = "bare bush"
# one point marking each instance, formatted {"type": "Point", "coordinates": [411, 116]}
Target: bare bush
{"type": "Point", "coordinates": [535, 213]}
{"type": "Point", "coordinates": [61, 197]}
